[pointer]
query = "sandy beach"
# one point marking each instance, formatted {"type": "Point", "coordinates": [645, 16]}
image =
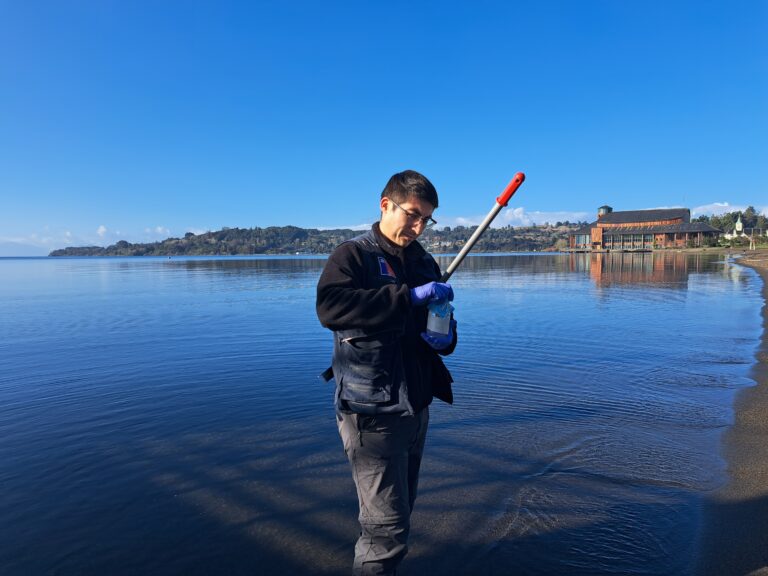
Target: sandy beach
{"type": "Point", "coordinates": [734, 538]}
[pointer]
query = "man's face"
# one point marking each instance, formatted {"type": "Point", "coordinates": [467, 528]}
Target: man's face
{"type": "Point", "coordinates": [403, 224]}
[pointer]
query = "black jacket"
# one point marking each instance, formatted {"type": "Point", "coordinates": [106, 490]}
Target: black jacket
{"type": "Point", "coordinates": [381, 363]}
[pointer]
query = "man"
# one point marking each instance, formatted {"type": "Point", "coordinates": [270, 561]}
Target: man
{"type": "Point", "coordinates": [373, 294]}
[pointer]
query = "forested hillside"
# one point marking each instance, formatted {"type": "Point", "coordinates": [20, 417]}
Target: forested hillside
{"type": "Point", "coordinates": [292, 240]}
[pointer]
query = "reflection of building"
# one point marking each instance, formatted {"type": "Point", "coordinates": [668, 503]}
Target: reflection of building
{"type": "Point", "coordinates": [669, 269]}
{"type": "Point", "coordinates": [641, 230]}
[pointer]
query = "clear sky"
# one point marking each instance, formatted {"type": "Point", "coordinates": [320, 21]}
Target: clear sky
{"type": "Point", "coordinates": [140, 119]}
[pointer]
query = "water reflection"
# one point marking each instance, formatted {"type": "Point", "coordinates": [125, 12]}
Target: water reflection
{"type": "Point", "coordinates": [662, 269]}
{"type": "Point", "coordinates": [511, 264]}
{"type": "Point", "coordinates": [164, 416]}
{"type": "Point", "coordinates": [250, 266]}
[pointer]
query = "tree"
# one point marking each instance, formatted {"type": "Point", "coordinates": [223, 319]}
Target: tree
{"type": "Point", "coordinates": [749, 217]}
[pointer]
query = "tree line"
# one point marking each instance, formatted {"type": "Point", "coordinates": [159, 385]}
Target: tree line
{"type": "Point", "coordinates": [293, 240]}
{"type": "Point", "coordinates": [750, 218]}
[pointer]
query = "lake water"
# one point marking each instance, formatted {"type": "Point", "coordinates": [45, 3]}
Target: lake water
{"type": "Point", "coordinates": [164, 416]}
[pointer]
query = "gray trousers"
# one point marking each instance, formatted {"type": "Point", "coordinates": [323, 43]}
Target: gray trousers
{"type": "Point", "coordinates": [385, 454]}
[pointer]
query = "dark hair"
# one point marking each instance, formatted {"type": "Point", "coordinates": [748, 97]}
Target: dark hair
{"type": "Point", "coordinates": [410, 184]}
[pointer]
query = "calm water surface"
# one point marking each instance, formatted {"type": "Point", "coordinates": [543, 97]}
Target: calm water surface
{"type": "Point", "coordinates": [164, 416]}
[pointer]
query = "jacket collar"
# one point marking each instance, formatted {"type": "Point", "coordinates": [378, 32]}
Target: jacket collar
{"type": "Point", "coordinates": [413, 251]}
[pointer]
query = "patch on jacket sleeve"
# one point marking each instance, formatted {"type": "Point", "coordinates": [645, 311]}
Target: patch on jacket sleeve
{"type": "Point", "coordinates": [385, 269]}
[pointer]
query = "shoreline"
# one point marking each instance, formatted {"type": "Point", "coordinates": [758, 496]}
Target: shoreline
{"type": "Point", "coordinates": [734, 538]}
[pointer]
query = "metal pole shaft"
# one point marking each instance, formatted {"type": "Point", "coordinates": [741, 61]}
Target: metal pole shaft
{"type": "Point", "coordinates": [501, 202]}
{"type": "Point", "coordinates": [471, 242]}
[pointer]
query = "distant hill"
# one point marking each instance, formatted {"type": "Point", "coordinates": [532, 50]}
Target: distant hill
{"type": "Point", "coordinates": [292, 240]}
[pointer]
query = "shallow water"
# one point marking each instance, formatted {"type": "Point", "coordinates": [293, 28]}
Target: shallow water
{"type": "Point", "coordinates": [164, 416]}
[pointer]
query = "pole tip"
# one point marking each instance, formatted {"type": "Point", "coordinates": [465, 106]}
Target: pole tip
{"type": "Point", "coordinates": [511, 188]}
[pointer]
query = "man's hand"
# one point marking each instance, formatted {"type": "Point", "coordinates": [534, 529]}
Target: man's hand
{"type": "Point", "coordinates": [430, 292]}
{"type": "Point", "coordinates": [440, 342]}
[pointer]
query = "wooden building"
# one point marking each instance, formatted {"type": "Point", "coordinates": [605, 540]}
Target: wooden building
{"type": "Point", "coordinates": [642, 230]}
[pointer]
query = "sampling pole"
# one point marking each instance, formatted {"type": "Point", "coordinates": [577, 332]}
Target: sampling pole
{"type": "Point", "coordinates": [501, 202]}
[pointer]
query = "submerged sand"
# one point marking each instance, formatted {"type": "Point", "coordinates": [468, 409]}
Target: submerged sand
{"type": "Point", "coordinates": [735, 533]}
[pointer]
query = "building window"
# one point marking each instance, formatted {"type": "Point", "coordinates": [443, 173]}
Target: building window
{"type": "Point", "coordinates": [648, 241]}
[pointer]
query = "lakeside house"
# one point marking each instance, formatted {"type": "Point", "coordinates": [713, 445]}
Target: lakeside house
{"type": "Point", "coordinates": [642, 230]}
{"type": "Point", "coordinates": [739, 231]}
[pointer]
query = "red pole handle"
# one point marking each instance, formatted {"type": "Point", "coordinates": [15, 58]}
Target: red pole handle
{"type": "Point", "coordinates": [510, 189]}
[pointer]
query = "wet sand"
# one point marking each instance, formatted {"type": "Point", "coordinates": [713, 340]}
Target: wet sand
{"type": "Point", "coordinates": [735, 531]}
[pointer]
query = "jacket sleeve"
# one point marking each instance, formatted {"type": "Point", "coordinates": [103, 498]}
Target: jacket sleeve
{"type": "Point", "coordinates": [344, 302]}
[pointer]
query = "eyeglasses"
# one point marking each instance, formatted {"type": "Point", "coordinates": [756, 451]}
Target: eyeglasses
{"type": "Point", "coordinates": [426, 221]}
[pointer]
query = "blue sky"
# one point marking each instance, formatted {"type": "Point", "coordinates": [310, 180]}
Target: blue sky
{"type": "Point", "coordinates": [140, 120]}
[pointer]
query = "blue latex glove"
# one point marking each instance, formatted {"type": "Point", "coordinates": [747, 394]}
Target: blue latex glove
{"type": "Point", "coordinates": [430, 291]}
{"type": "Point", "coordinates": [440, 342]}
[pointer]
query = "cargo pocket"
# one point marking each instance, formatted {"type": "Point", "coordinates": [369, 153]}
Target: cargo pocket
{"type": "Point", "coordinates": [367, 363]}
